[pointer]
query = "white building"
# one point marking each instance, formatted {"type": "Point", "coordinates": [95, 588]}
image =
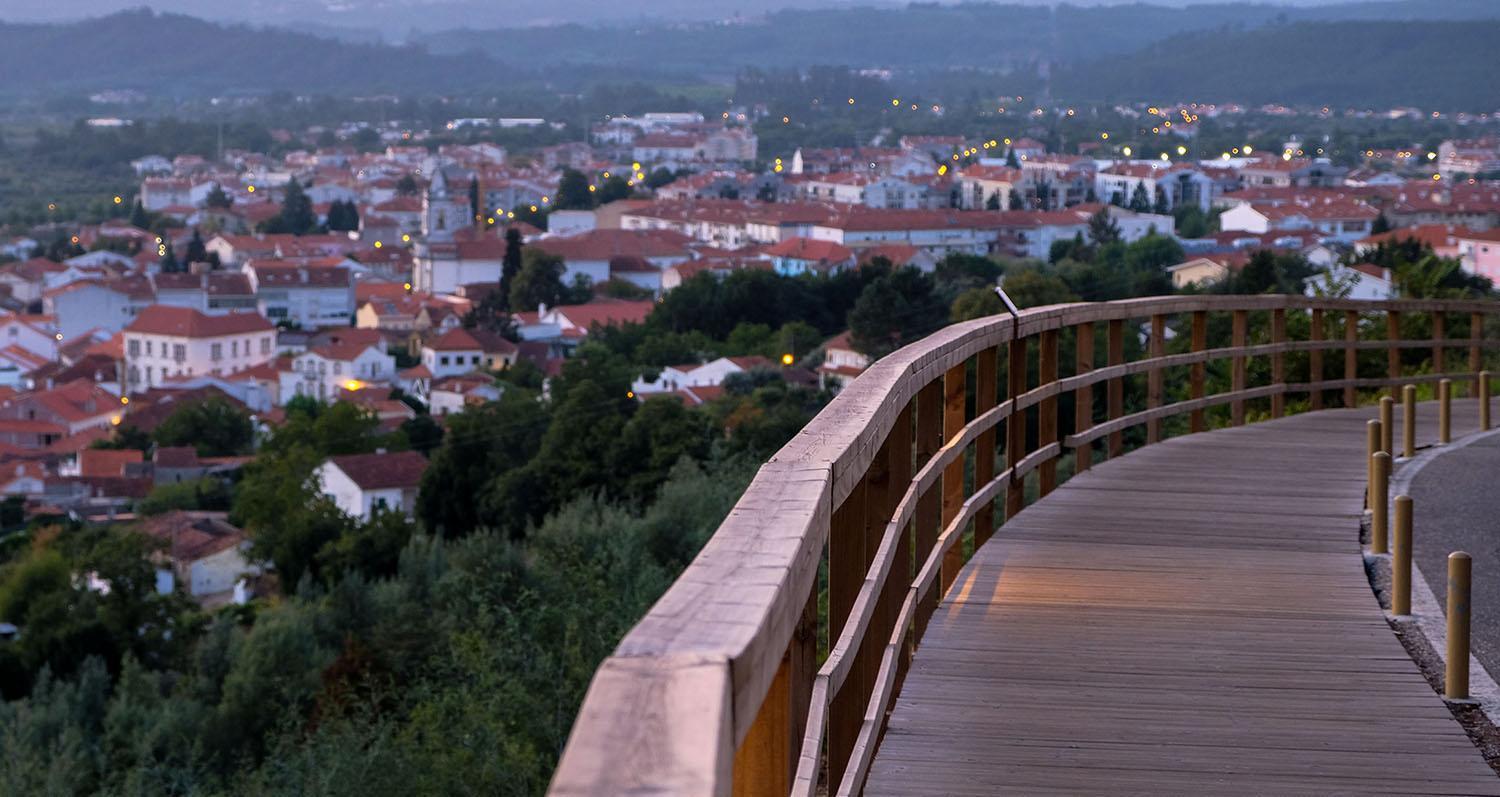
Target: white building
{"type": "Point", "coordinates": [309, 296]}
{"type": "Point", "coordinates": [165, 342]}
{"type": "Point", "coordinates": [322, 371]}
{"type": "Point", "coordinates": [361, 484]}
{"type": "Point", "coordinates": [462, 351]}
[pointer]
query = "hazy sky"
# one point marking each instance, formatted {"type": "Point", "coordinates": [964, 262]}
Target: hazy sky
{"type": "Point", "coordinates": [393, 17]}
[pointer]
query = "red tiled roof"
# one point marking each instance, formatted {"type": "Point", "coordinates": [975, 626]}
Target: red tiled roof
{"type": "Point", "coordinates": [605, 244]}
{"type": "Point", "coordinates": [606, 313]}
{"type": "Point", "coordinates": [106, 462]}
{"type": "Point", "coordinates": [810, 249]}
{"type": "Point", "coordinates": [160, 319]}
{"type": "Point", "coordinates": [382, 471]}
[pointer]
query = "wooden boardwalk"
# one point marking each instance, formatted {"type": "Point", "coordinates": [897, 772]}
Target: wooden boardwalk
{"type": "Point", "coordinates": [1193, 618]}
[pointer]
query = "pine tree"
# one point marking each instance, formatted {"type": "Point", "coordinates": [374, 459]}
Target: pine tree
{"type": "Point", "coordinates": [1140, 201]}
{"type": "Point", "coordinates": [573, 191]}
{"type": "Point", "coordinates": [475, 208]}
{"type": "Point", "coordinates": [167, 263]}
{"type": "Point", "coordinates": [218, 199]}
{"type": "Point", "coordinates": [1102, 228]}
{"type": "Point", "coordinates": [993, 203]}
{"type": "Point", "coordinates": [1380, 225]}
{"type": "Point", "coordinates": [1016, 203]}
{"type": "Point", "coordinates": [1162, 207]}
{"type": "Point", "coordinates": [297, 216]}
{"type": "Point", "coordinates": [139, 218]}
{"type": "Point", "coordinates": [1011, 160]}
{"type": "Point", "coordinates": [511, 266]}
{"type": "Point", "coordinates": [196, 251]}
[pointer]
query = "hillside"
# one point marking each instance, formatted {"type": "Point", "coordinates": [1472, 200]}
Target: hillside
{"type": "Point", "coordinates": [1360, 64]}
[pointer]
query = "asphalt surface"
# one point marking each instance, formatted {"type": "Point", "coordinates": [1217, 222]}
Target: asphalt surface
{"type": "Point", "coordinates": [1456, 507]}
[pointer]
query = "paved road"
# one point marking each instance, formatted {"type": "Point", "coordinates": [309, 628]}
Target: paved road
{"type": "Point", "coordinates": [1457, 507]}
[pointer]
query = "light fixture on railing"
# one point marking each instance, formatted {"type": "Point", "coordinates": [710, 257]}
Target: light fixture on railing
{"type": "Point", "coordinates": [1009, 305]}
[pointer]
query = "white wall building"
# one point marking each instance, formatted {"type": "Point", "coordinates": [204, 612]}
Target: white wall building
{"type": "Point", "coordinates": [165, 342]}
{"type": "Point", "coordinates": [362, 484]}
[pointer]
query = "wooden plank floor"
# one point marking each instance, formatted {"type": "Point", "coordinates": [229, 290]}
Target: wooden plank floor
{"type": "Point", "coordinates": [1192, 618]}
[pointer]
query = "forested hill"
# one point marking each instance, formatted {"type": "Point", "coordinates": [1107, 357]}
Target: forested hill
{"type": "Point", "coordinates": [1351, 64]}
{"type": "Point", "coordinates": [179, 55]}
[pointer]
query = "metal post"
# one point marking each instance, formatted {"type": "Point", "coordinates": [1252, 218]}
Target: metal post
{"type": "Point", "coordinates": [1387, 424]}
{"type": "Point", "coordinates": [1409, 421]}
{"type": "Point", "coordinates": [1372, 445]}
{"type": "Point", "coordinates": [1484, 401]}
{"type": "Point", "coordinates": [1401, 561]}
{"type": "Point", "coordinates": [1456, 682]}
{"type": "Point", "coordinates": [1445, 414]}
{"type": "Point", "coordinates": [1380, 467]}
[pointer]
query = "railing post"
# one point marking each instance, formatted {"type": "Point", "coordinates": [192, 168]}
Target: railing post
{"type": "Point", "coordinates": [1015, 426]}
{"type": "Point", "coordinates": [1445, 411]}
{"type": "Point", "coordinates": [1372, 446]}
{"type": "Point", "coordinates": [929, 505]}
{"type": "Point", "coordinates": [1351, 357]}
{"type": "Point", "coordinates": [1237, 376]}
{"type": "Point", "coordinates": [764, 762]}
{"type": "Point", "coordinates": [1156, 348]}
{"type": "Point", "coordinates": [986, 382]}
{"type": "Point", "coordinates": [846, 572]}
{"type": "Point", "coordinates": [1083, 397]}
{"type": "Point", "coordinates": [1409, 421]}
{"type": "Point", "coordinates": [899, 457]}
{"type": "Point", "coordinates": [1315, 359]}
{"type": "Point", "coordinates": [1401, 560]}
{"type": "Point", "coordinates": [1046, 419]}
{"type": "Point", "coordinates": [954, 398]}
{"type": "Point", "coordinates": [1439, 333]}
{"type": "Point", "coordinates": [1380, 467]}
{"type": "Point", "coordinates": [1387, 424]}
{"type": "Point", "coordinates": [1278, 361]}
{"type": "Point", "coordinates": [1393, 352]}
{"type": "Point", "coordinates": [1195, 381]}
{"type": "Point", "coordinates": [1116, 445]}
{"type": "Point", "coordinates": [1456, 679]}
{"type": "Point", "coordinates": [1484, 401]}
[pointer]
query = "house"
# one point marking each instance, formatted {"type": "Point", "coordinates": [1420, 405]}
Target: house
{"type": "Point", "coordinates": [163, 342]}
{"type": "Point", "coordinates": [1337, 218]}
{"type": "Point", "coordinates": [1206, 269]}
{"type": "Point", "coordinates": [35, 335]}
{"type": "Point", "coordinates": [462, 351]}
{"type": "Point", "coordinates": [323, 371]}
{"type": "Point", "coordinates": [86, 304]}
{"type": "Point", "coordinates": [304, 295]}
{"type": "Point", "coordinates": [841, 361]}
{"type": "Point", "coordinates": [204, 553]}
{"type": "Point", "coordinates": [590, 254]}
{"type": "Point", "coordinates": [1178, 185]}
{"type": "Point", "coordinates": [803, 255]}
{"type": "Point", "coordinates": [362, 484]}
{"type": "Point", "coordinates": [456, 393]}
{"type": "Point", "coordinates": [1365, 281]}
{"type": "Point", "coordinates": [212, 292]}
{"type": "Point", "coordinates": [1480, 253]}
{"type": "Point", "coordinates": [573, 321]}
{"type": "Point", "coordinates": [710, 374]}
{"type": "Point", "coordinates": [983, 187]}
{"type": "Point", "coordinates": [38, 418]}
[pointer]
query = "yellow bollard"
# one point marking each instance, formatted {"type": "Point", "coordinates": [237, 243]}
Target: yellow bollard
{"type": "Point", "coordinates": [1445, 414]}
{"type": "Point", "coordinates": [1372, 445]}
{"type": "Point", "coordinates": [1456, 682]}
{"type": "Point", "coordinates": [1401, 560]}
{"type": "Point", "coordinates": [1387, 424]}
{"type": "Point", "coordinates": [1409, 421]}
{"type": "Point", "coordinates": [1484, 401]}
{"type": "Point", "coordinates": [1380, 467]}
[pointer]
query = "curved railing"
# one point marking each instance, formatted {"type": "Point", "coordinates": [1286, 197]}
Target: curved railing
{"type": "Point", "coordinates": [719, 689]}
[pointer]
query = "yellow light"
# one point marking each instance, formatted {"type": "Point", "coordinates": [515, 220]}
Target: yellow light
{"type": "Point", "coordinates": [1181, 150]}
{"type": "Point", "coordinates": [378, 244]}
{"type": "Point", "coordinates": [545, 200]}
{"type": "Point", "coordinates": [786, 119]}
{"type": "Point", "coordinates": [630, 394]}
{"type": "Point", "coordinates": [593, 188]}
{"type": "Point", "coordinates": [490, 220]}
{"type": "Point", "coordinates": [118, 200]}
{"type": "Point", "coordinates": [1437, 177]}
{"type": "Point", "coordinates": [533, 208]}
{"type": "Point", "coordinates": [787, 359]}
{"type": "Point", "coordinates": [114, 420]}
{"type": "Point", "coordinates": [510, 215]}
{"type": "Point", "coordinates": [52, 206]}
{"type": "Point", "coordinates": [1104, 136]}
{"type": "Point", "coordinates": [1431, 156]}
{"type": "Point", "coordinates": [1225, 156]}
{"type": "Point", "coordinates": [635, 167]}
{"type": "Point", "coordinates": [124, 399]}
{"type": "Point", "coordinates": [942, 170]}
{"type": "Point", "coordinates": [406, 285]}
{"type": "Point", "coordinates": [1007, 142]}
{"type": "Point", "coordinates": [58, 336]}
{"type": "Point", "coordinates": [606, 175]}
{"type": "Point", "coordinates": [405, 238]}
{"type": "Point", "coordinates": [75, 239]}
{"type": "Point", "coordinates": [778, 167]}
{"type": "Point", "coordinates": [955, 156]}
{"type": "Point", "coordinates": [1164, 156]}
{"type": "Point", "coordinates": [1126, 150]}
{"type": "Point", "coordinates": [251, 189]}
{"type": "Point", "coordinates": [1156, 129]}
{"type": "Point", "coordinates": [353, 384]}
{"type": "Point", "coordinates": [896, 103]}
{"type": "Point", "coordinates": [1070, 111]}
{"type": "Point", "coordinates": [1248, 150]}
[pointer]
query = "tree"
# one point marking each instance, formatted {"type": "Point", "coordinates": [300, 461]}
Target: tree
{"type": "Point", "coordinates": [1016, 202]}
{"type": "Point", "coordinates": [482, 444]}
{"type": "Point", "coordinates": [511, 265]}
{"type": "Point", "coordinates": [993, 203]}
{"type": "Point", "coordinates": [659, 177]}
{"type": "Point", "coordinates": [614, 188]}
{"type": "Point", "coordinates": [539, 281]}
{"type": "Point", "coordinates": [407, 185]}
{"type": "Point", "coordinates": [476, 204]}
{"type": "Point", "coordinates": [213, 426]}
{"type": "Point", "coordinates": [197, 252]}
{"type": "Point", "coordinates": [343, 216]}
{"type": "Point", "coordinates": [1140, 201]}
{"type": "Point", "coordinates": [209, 494]}
{"type": "Point", "coordinates": [296, 216]}
{"type": "Point", "coordinates": [894, 309]}
{"type": "Point", "coordinates": [1162, 207]}
{"type": "Point", "coordinates": [167, 263]}
{"type": "Point", "coordinates": [1030, 287]}
{"type": "Point", "coordinates": [573, 191]}
{"type": "Point", "coordinates": [423, 434]}
{"type": "Point", "coordinates": [217, 199]}
{"type": "Point", "coordinates": [1102, 228]}
{"type": "Point", "coordinates": [976, 303]}
{"type": "Point", "coordinates": [1011, 160]}
{"type": "Point", "coordinates": [1380, 225]}
{"type": "Point", "coordinates": [139, 218]}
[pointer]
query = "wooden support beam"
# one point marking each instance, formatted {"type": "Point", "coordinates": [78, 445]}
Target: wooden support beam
{"type": "Point", "coordinates": [986, 384]}
{"type": "Point", "coordinates": [1393, 354]}
{"type": "Point", "coordinates": [1195, 381]}
{"type": "Point", "coordinates": [1157, 347]}
{"type": "Point", "coordinates": [1241, 325]}
{"type": "Point", "coordinates": [954, 397]}
{"type": "Point", "coordinates": [1439, 332]}
{"type": "Point", "coordinates": [1047, 409]}
{"type": "Point", "coordinates": [1015, 425]}
{"type": "Point", "coordinates": [1083, 397]}
{"type": "Point", "coordinates": [766, 759]}
{"type": "Point", "coordinates": [1116, 407]}
{"type": "Point", "coordinates": [929, 430]}
{"type": "Point", "coordinates": [846, 571]}
{"type": "Point", "coordinates": [1351, 357]}
{"type": "Point", "coordinates": [1315, 358]}
{"type": "Point", "coordinates": [1278, 362]}
{"type": "Point", "coordinates": [1476, 359]}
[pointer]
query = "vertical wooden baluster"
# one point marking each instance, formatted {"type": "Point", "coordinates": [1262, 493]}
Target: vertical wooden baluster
{"type": "Point", "coordinates": [1083, 397]}
{"type": "Point", "coordinates": [986, 383]}
{"type": "Point", "coordinates": [1116, 386]}
{"type": "Point", "coordinates": [846, 572]}
{"type": "Point", "coordinates": [762, 762]}
{"type": "Point", "coordinates": [897, 454]}
{"type": "Point", "coordinates": [1047, 410]}
{"type": "Point", "coordinates": [1278, 361]}
{"type": "Point", "coordinates": [1351, 357]}
{"type": "Point", "coordinates": [1237, 377]}
{"type": "Point", "coordinates": [929, 506]}
{"type": "Point", "coordinates": [1439, 332]}
{"type": "Point", "coordinates": [1015, 426]}
{"type": "Point", "coordinates": [1199, 369]}
{"type": "Point", "coordinates": [954, 397]}
{"type": "Point", "coordinates": [1392, 353]}
{"type": "Point", "coordinates": [900, 578]}
{"type": "Point", "coordinates": [803, 656]}
{"type": "Point", "coordinates": [1315, 359]}
{"type": "Point", "coordinates": [1157, 347]}
{"type": "Point", "coordinates": [1476, 361]}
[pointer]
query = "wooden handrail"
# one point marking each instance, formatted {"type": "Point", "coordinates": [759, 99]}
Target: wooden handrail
{"type": "Point", "coordinates": [717, 688]}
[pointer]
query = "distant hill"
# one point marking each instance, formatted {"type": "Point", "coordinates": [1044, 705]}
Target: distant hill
{"type": "Point", "coordinates": [1361, 64]}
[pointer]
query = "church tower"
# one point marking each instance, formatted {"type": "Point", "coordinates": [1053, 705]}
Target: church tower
{"type": "Point", "coordinates": [442, 213]}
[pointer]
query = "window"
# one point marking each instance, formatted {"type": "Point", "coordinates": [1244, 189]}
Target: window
{"type": "Point", "coordinates": [179, 352]}
{"type": "Point", "coordinates": [265, 345]}
{"type": "Point", "coordinates": [234, 348]}
{"type": "Point", "coordinates": [216, 352]}
{"type": "Point", "coordinates": [338, 368]}
{"type": "Point", "coordinates": [148, 348]}
{"type": "Point", "coordinates": [322, 367]}
{"type": "Point", "coordinates": [443, 360]}
{"type": "Point", "coordinates": [13, 331]}
{"type": "Point", "coordinates": [134, 347]}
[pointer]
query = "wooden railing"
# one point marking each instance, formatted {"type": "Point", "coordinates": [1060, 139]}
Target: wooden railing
{"type": "Point", "coordinates": [719, 690]}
